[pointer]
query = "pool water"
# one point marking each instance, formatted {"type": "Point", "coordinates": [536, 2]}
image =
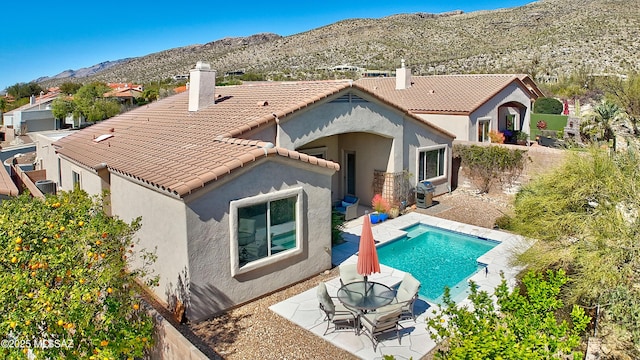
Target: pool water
{"type": "Point", "coordinates": [436, 257]}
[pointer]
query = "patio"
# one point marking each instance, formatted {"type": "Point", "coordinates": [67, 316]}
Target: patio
{"type": "Point", "coordinates": [302, 309]}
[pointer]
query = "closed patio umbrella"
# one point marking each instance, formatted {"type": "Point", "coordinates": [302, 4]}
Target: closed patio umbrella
{"type": "Point", "coordinates": [367, 255]}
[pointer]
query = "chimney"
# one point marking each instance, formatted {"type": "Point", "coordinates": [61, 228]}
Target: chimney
{"type": "Point", "coordinates": [202, 86]}
{"type": "Point", "coordinates": [32, 100]}
{"type": "Point", "coordinates": [403, 77]}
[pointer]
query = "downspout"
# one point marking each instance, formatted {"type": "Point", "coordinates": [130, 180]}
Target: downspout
{"type": "Point", "coordinates": [277, 129]}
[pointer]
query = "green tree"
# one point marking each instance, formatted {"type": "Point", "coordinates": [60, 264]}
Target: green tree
{"type": "Point", "coordinates": [22, 90]}
{"type": "Point", "coordinates": [62, 107]}
{"type": "Point", "coordinates": [525, 325]}
{"type": "Point", "coordinates": [67, 279]}
{"type": "Point", "coordinates": [626, 94]}
{"type": "Point", "coordinates": [3, 104]}
{"type": "Point", "coordinates": [91, 103]}
{"type": "Point", "coordinates": [487, 165]}
{"type": "Point", "coordinates": [546, 105]}
{"type": "Point", "coordinates": [69, 88]}
{"type": "Point", "coordinates": [585, 216]}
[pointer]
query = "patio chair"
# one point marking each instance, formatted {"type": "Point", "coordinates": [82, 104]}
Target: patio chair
{"type": "Point", "coordinates": [337, 314]}
{"type": "Point", "coordinates": [379, 323]}
{"type": "Point", "coordinates": [348, 207]}
{"type": "Point", "coordinates": [349, 274]}
{"type": "Point", "coordinates": [406, 296]}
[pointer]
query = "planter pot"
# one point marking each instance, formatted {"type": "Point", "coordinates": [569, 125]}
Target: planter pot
{"type": "Point", "coordinates": [375, 218]}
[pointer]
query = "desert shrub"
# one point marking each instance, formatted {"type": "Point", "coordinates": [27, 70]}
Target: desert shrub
{"type": "Point", "coordinates": [496, 137]}
{"type": "Point", "coordinates": [337, 225]}
{"type": "Point", "coordinates": [503, 222]}
{"type": "Point", "coordinates": [545, 105]}
{"type": "Point", "coordinates": [585, 218]}
{"type": "Point", "coordinates": [527, 323]}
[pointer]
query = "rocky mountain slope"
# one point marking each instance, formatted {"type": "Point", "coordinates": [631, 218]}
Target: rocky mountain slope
{"type": "Point", "coordinates": [548, 37]}
{"type": "Point", "coordinates": [84, 72]}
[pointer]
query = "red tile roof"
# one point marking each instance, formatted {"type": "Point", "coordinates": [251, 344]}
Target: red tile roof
{"type": "Point", "coordinates": [440, 94]}
{"type": "Point", "coordinates": [170, 148]}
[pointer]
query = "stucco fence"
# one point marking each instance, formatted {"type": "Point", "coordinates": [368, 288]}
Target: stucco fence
{"type": "Point", "coordinates": [543, 160]}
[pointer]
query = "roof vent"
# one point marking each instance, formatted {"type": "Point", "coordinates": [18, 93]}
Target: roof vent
{"type": "Point", "coordinates": [102, 137]}
{"type": "Point", "coordinates": [263, 103]}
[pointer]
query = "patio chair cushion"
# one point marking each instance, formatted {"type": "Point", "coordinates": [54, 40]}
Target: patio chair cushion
{"type": "Point", "coordinates": [349, 273]}
{"type": "Point", "coordinates": [325, 300]}
{"type": "Point", "coordinates": [408, 288]}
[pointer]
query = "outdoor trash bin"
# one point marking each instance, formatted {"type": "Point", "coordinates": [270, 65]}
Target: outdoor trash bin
{"type": "Point", "coordinates": [424, 194]}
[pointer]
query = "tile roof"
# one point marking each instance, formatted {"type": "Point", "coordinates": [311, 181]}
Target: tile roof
{"type": "Point", "coordinates": [168, 147]}
{"type": "Point", "coordinates": [440, 94]}
{"type": "Point", "coordinates": [40, 100]}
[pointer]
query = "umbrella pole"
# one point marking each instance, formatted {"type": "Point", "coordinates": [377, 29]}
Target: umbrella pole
{"type": "Point", "coordinates": [366, 289]}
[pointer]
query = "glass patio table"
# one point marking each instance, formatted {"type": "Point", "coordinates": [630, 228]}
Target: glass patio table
{"type": "Point", "coordinates": [365, 296]}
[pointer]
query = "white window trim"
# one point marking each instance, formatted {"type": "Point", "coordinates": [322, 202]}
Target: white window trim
{"type": "Point", "coordinates": [233, 230]}
{"type": "Point", "coordinates": [445, 166]}
{"type": "Point", "coordinates": [483, 120]}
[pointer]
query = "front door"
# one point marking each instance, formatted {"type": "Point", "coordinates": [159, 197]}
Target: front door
{"type": "Point", "coordinates": [350, 172]}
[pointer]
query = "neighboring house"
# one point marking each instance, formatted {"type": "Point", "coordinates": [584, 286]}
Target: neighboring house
{"type": "Point", "coordinates": [34, 116]}
{"type": "Point", "coordinates": [469, 106]}
{"type": "Point", "coordinates": [235, 184]}
{"type": "Point", "coordinates": [125, 96]}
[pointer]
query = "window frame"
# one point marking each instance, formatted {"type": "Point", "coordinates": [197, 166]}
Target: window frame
{"type": "Point", "coordinates": [76, 179]}
{"type": "Point", "coordinates": [269, 259]}
{"type": "Point", "coordinates": [444, 165]}
{"type": "Point", "coordinates": [481, 122]}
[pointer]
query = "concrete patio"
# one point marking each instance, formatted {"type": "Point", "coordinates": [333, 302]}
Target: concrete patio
{"type": "Point", "coordinates": [415, 341]}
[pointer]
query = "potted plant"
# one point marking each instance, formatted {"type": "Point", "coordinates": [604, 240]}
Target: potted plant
{"type": "Point", "coordinates": [381, 208]}
{"type": "Point", "coordinates": [521, 138]}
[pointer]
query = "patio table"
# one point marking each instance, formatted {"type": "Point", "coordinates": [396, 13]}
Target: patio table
{"type": "Point", "coordinates": [365, 295]}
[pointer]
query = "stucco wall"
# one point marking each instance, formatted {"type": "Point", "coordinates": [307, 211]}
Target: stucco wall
{"type": "Point", "coordinates": [382, 137]}
{"type": "Point", "coordinates": [163, 228]}
{"type": "Point", "coordinates": [47, 155]}
{"type": "Point", "coordinates": [416, 138]}
{"type": "Point", "coordinates": [455, 124]}
{"type": "Point", "coordinates": [213, 288]}
{"type": "Point", "coordinates": [512, 93]}
{"type": "Point", "coordinates": [89, 180]}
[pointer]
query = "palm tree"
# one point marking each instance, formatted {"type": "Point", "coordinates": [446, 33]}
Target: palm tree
{"type": "Point", "coordinates": [600, 126]}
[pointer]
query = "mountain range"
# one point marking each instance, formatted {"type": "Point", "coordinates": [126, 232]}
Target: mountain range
{"type": "Point", "coordinates": [549, 38]}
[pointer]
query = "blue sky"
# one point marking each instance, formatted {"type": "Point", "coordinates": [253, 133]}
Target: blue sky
{"type": "Point", "coordinates": [45, 38]}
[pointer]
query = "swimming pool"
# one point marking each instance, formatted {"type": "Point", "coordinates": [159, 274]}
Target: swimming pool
{"type": "Point", "coordinates": [436, 257]}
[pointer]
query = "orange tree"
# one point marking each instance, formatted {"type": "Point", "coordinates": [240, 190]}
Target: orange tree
{"type": "Point", "coordinates": [67, 287]}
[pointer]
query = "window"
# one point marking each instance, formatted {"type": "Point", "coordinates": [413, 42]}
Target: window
{"type": "Point", "coordinates": [483, 130]}
{"type": "Point", "coordinates": [431, 163]}
{"type": "Point", "coordinates": [264, 229]}
{"type": "Point", "coordinates": [510, 121]}
{"type": "Point", "coordinates": [76, 179]}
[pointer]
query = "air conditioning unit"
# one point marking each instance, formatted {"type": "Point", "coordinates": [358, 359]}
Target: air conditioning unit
{"type": "Point", "coordinates": [46, 186]}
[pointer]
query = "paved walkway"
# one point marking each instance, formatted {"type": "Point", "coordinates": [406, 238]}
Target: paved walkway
{"type": "Point", "coordinates": [415, 341]}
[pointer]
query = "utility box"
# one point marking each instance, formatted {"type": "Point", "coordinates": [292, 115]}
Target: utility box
{"type": "Point", "coordinates": [424, 194]}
